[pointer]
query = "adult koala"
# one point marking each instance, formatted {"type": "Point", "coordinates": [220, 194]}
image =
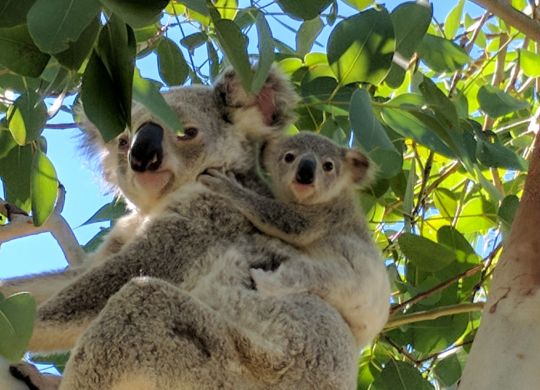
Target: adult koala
{"type": "Point", "coordinates": [194, 320]}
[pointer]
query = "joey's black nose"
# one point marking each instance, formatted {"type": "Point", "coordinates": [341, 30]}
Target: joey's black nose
{"type": "Point", "coordinates": [146, 153]}
{"type": "Point", "coordinates": [305, 173]}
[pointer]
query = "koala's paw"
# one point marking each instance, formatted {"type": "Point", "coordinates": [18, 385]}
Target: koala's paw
{"type": "Point", "coordinates": [34, 379]}
{"type": "Point", "coordinates": [218, 181]}
{"type": "Point", "coordinates": [267, 283]}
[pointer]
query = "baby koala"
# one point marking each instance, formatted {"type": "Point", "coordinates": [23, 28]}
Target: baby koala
{"type": "Point", "coordinates": [315, 209]}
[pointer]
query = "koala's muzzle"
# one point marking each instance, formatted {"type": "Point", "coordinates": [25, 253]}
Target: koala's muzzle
{"type": "Point", "coordinates": [305, 173]}
{"type": "Point", "coordinates": [146, 153]}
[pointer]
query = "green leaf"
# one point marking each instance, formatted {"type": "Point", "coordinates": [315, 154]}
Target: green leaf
{"type": "Point", "coordinates": [234, 45]}
{"type": "Point", "coordinates": [15, 170]}
{"type": "Point", "coordinates": [17, 316]}
{"type": "Point", "coordinates": [361, 47]}
{"type": "Point", "coordinates": [27, 117]}
{"type": "Point", "coordinates": [453, 239]}
{"type": "Point", "coordinates": [451, 23]}
{"type": "Point", "coordinates": [359, 4]}
{"type": "Point", "coordinates": [116, 48]}
{"type": "Point", "coordinates": [193, 41]}
{"type": "Point", "coordinates": [102, 109]}
{"type": "Point", "coordinates": [172, 67]}
{"type": "Point", "coordinates": [427, 255]}
{"type": "Point", "coordinates": [54, 24]}
{"type": "Point", "coordinates": [303, 9]}
{"type": "Point", "coordinates": [443, 107]}
{"type": "Point", "coordinates": [307, 34]}
{"type": "Point", "coordinates": [96, 241]}
{"type": "Point", "coordinates": [6, 143]}
{"type": "Point", "coordinates": [43, 188]}
{"type": "Point", "coordinates": [408, 125]}
{"type": "Point", "coordinates": [266, 54]}
{"type": "Point", "coordinates": [411, 21]}
{"type": "Point", "coordinates": [398, 375]}
{"type": "Point", "coordinates": [19, 53]}
{"type": "Point", "coordinates": [13, 12]}
{"type": "Point", "coordinates": [529, 62]}
{"type": "Point", "coordinates": [442, 55]}
{"type": "Point", "coordinates": [78, 51]}
{"type": "Point", "coordinates": [508, 208]}
{"type": "Point", "coordinates": [109, 212]}
{"type": "Point", "coordinates": [448, 370]}
{"type": "Point", "coordinates": [496, 102]}
{"type": "Point", "coordinates": [147, 93]}
{"type": "Point", "coordinates": [495, 154]}
{"type": "Point", "coordinates": [137, 13]}
{"type": "Point", "coordinates": [372, 136]}
{"type": "Point", "coordinates": [227, 8]}
{"type": "Point", "coordinates": [446, 202]}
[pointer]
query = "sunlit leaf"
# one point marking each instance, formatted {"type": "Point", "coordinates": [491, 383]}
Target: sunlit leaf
{"type": "Point", "coordinates": [361, 47]}
{"type": "Point", "coordinates": [451, 23]}
{"type": "Point", "coordinates": [530, 63]}
{"type": "Point", "coordinates": [27, 117]}
{"type": "Point", "coordinates": [43, 188]}
{"type": "Point", "coordinates": [442, 55]}
{"type": "Point", "coordinates": [398, 375]}
{"type": "Point", "coordinates": [307, 34]}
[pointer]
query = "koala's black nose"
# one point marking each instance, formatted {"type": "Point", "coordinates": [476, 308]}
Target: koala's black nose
{"type": "Point", "coordinates": [146, 153]}
{"type": "Point", "coordinates": [305, 173]}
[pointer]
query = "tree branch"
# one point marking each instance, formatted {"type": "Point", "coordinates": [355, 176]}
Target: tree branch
{"type": "Point", "coordinates": [21, 225]}
{"type": "Point", "coordinates": [433, 314]}
{"type": "Point", "coordinates": [515, 18]}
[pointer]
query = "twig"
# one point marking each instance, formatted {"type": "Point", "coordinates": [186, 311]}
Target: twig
{"type": "Point", "coordinates": [61, 126]}
{"type": "Point", "coordinates": [433, 314]}
{"type": "Point", "coordinates": [470, 272]}
{"type": "Point", "coordinates": [22, 226]}
{"type": "Point", "coordinates": [513, 17]}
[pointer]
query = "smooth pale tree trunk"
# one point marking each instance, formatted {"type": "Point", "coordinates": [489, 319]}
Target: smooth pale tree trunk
{"type": "Point", "coordinates": [506, 351]}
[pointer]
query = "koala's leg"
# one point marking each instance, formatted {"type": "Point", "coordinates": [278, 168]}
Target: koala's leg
{"type": "Point", "coordinates": [152, 335]}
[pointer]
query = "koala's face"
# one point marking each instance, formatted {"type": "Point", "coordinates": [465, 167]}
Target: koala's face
{"type": "Point", "coordinates": [311, 169]}
{"type": "Point", "coordinates": [220, 123]}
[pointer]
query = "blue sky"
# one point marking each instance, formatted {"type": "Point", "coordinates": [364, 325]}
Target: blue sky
{"type": "Point", "coordinates": [85, 192]}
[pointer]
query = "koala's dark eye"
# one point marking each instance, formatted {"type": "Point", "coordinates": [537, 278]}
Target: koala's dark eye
{"type": "Point", "coordinates": [123, 143]}
{"type": "Point", "coordinates": [328, 166]}
{"type": "Point", "coordinates": [189, 133]}
{"type": "Point", "coordinates": [289, 157]}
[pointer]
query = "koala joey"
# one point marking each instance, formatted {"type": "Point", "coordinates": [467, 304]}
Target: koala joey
{"type": "Point", "coordinates": [313, 207]}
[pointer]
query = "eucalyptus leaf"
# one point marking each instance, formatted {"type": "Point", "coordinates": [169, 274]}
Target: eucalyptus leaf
{"type": "Point", "coordinates": [17, 316]}
{"type": "Point", "coordinates": [13, 12]}
{"type": "Point", "coordinates": [266, 54]}
{"type": "Point", "coordinates": [303, 9]}
{"type": "Point", "coordinates": [78, 51]}
{"type": "Point", "coordinates": [136, 13]}
{"type": "Point", "coordinates": [442, 55]}
{"type": "Point", "coordinates": [361, 47]}
{"type": "Point", "coordinates": [398, 375]}
{"type": "Point", "coordinates": [15, 170]}
{"type": "Point", "coordinates": [55, 24]}
{"type": "Point", "coordinates": [307, 34]}
{"type": "Point", "coordinates": [27, 117]}
{"type": "Point", "coordinates": [172, 67]}
{"type": "Point", "coordinates": [424, 253]}
{"type": "Point", "coordinates": [530, 63]}
{"type": "Point", "coordinates": [19, 53]}
{"type": "Point", "coordinates": [496, 102]}
{"type": "Point", "coordinates": [43, 188]}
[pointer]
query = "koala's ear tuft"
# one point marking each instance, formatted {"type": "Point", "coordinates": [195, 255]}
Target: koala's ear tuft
{"type": "Point", "coordinates": [360, 166]}
{"type": "Point", "coordinates": [271, 109]}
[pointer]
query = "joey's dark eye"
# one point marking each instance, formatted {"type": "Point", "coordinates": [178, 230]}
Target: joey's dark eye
{"type": "Point", "coordinates": [288, 158]}
{"type": "Point", "coordinates": [123, 143]}
{"type": "Point", "coordinates": [328, 166]}
{"type": "Point", "coordinates": [189, 133]}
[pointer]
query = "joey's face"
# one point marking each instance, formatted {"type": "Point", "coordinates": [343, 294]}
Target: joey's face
{"type": "Point", "coordinates": [311, 169]}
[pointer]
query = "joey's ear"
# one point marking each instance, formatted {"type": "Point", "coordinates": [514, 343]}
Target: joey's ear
{"type": "Point", "coordinates": [271, 110]}
{"type": "Point", "coordinates": [360, 166]}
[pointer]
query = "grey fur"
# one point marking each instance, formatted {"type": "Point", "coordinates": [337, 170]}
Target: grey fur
{"type": "Point", "coordinates": [341, 257]}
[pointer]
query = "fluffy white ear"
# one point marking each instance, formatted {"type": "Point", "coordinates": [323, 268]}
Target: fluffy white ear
{"type": "Point", "coordinates": [7, 381]}
{"type": "Point", "coordinates": [269, 111]}
{"type": "Point", "coordinates": [361, 167]}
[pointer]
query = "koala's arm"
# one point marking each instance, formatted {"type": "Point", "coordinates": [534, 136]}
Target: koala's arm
{"type": "Point", "coordinates": [159, 253]}
{"type": "Point", "coordinates": [295, 224]}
